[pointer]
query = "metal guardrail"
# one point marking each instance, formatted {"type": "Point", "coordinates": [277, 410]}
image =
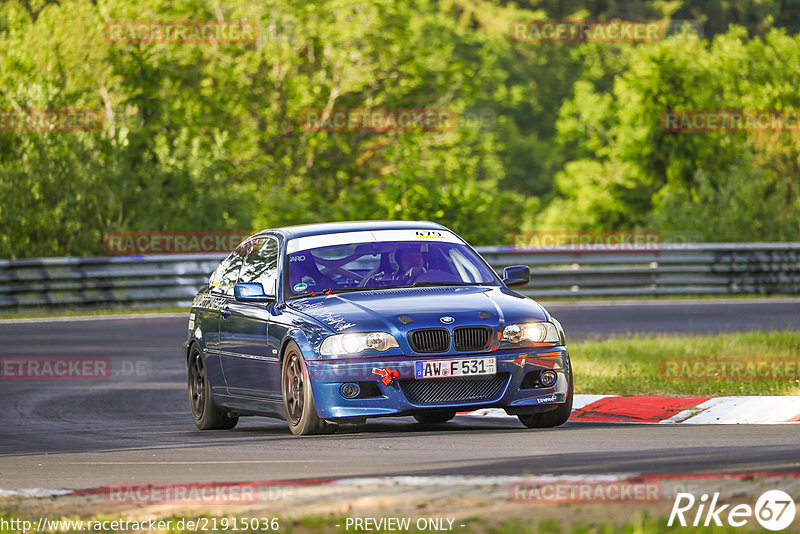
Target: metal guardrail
{"type": "Point", "coordinates": [173, 279]}
{"type": "Point", "coordinates": [680, 269]}
{"type": "Point", "coordinates": [104, 282]}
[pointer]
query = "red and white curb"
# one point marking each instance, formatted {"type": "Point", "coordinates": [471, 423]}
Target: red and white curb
{"type": "Point", "coordinates": [693, 410]}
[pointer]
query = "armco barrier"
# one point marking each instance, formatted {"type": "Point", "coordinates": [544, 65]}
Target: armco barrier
{"type": "Point", "coordinates": [161, 280]}
{"type": "Point", "coordinates": [681, 269]}
{"type": "Point", "coordinates": [118, 282]}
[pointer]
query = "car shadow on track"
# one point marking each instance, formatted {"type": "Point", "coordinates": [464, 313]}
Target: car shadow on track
{"type": "Point", "coordinates": [399, 426]}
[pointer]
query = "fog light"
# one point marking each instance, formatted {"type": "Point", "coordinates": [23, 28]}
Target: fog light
{"type": "Point", "coordinates": [548, 378]}
{"type": "Point", "coordinates": [350, 391]}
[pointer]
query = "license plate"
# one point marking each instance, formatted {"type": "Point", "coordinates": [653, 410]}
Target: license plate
{"type": "Point", "coordinates": [448, 368]}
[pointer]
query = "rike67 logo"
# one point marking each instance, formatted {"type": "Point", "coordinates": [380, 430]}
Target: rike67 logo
{"type": "Point", "coordinates": [774, 510]}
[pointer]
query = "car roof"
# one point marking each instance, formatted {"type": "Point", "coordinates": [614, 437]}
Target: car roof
{"type": "Point", "coordinates": [303, 230]}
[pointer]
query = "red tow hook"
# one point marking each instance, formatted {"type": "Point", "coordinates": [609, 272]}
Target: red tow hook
{"type": "Point", "coordinates": [388, 375]}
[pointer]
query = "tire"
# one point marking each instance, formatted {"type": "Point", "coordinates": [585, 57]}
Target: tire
{"type": "Point", "coordinates": [298, 399]}
{"type": "Point", "coordinates": [435, 417]}
{"type": "Point", "coordinates": [553, 418]}
{"type": "Point", "coordinates": [205, 412]}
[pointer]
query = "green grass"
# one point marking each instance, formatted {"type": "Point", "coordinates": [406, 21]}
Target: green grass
{"type": "Point", "coordinates": [633, 365]}
{"type": "Point", "coordinates": [639, 523]}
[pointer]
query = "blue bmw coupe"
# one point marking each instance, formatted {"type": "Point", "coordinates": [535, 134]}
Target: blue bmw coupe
{"type": "Point", "coordinates": [326, 324]}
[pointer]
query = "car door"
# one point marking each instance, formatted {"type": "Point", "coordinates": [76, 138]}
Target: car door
{"type": "Point", "coordinates": [220, 284]}
{"type": "Point", "coordinates": [249, 362]}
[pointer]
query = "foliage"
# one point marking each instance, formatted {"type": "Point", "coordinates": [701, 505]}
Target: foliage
{"type": "Point", "coordinates": [629, 172]}
{"type": "Point", "coordinates": [211, 136]}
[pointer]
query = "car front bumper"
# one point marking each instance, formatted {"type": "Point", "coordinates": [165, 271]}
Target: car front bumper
{"type": "Point", "coordinates": [405, 395]}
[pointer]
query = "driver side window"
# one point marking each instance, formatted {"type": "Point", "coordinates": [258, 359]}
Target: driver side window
{"type": "Point", "coordinates": [226, 275]}
{"type": "Point", "coordinates": [261, 265]}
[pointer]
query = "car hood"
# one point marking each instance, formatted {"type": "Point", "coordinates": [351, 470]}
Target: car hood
{"type": "Point", "coordinates": [390, 309]}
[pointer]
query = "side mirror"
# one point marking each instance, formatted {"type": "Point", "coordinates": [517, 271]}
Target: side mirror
{"type": "Point", "coordinates": [516, 275]}
{"type": "Point", "coordinates": [251, 292]}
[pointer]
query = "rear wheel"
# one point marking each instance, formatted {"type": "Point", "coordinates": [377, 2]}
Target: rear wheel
{"type": "Point", "coordinates": [552, 418]}
{"type": "Point", "coordinates": [432, 418]}
{"type": "Point", "coordinates": [298, 399]}
{"type": "Point", "coordinates": [205, 412]}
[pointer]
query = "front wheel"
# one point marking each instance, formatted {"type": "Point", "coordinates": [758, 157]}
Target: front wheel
{"type": "Point", "coordinates": [205, 412]}
{"type": "Point", "coordinates": [553, 418]}
{"type": "Point", "coordinates": [298, 399]}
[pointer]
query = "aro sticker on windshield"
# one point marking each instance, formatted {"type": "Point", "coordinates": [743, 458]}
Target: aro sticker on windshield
{"type": "Point", "coordinates": [299, 288]}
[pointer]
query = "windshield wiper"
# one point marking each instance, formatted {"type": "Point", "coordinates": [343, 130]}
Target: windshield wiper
{"type": "Point", "coordinates": [438, 284]}
{"type": "Point", "coordinates": [334, 291]}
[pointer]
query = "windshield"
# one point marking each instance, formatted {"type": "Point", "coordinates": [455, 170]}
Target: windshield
{"type": "Point", "coordinates": [385, 264]}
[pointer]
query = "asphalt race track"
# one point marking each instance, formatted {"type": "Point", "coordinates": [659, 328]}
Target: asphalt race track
{"type": "Point", "coordinates": [136, 425]}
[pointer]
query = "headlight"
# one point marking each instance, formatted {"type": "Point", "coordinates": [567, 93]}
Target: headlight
{"type": "Point", "coordinates": [355, 343]}
{"type": "Point", "coordinates": [534, 332]}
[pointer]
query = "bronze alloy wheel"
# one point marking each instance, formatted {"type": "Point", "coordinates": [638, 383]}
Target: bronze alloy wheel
{"type": "Point", "coordinates": [298, 398]}
{"type": "Point", "coordinates": [205, 412]}
{"type": "Point", "coordinates": [293, 389]}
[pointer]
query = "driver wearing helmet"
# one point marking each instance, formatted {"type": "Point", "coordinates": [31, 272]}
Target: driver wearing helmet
{"type": "Point", "coordinates": [411, 263]}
